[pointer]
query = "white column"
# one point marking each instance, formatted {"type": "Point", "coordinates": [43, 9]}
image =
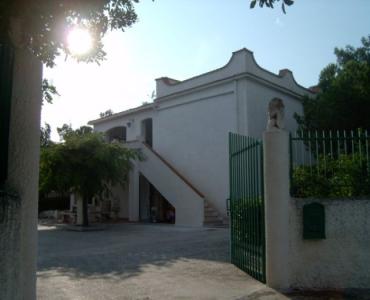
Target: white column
{"type": "Point", "coordinates": [276, 172]}
{"type": "Point", "coordinates": [133, 194]}
{"type": "Point", "coordinates": [79, 209]}
{"type": "Point", "coordinates": [23, 172]}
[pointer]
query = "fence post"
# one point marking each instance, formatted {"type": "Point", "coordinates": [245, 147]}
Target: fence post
{"type": "Point", "coordinates": [276, 181]}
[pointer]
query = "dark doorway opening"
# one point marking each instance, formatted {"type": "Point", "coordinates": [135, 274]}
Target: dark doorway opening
{"type": "Point", "coordinates": [153, 206]}
{"type": "Point", "coordinates": [147, 131]}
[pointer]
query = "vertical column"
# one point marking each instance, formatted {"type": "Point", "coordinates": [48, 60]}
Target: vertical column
{"type": "Point", "coordinates": [79, 209]}
{"type": "Point", "coordinates": [276, 172]}
{"type": "Point", "coordinates": [24, 154]}
{"type": "Point", "coordinates": [133, 193]}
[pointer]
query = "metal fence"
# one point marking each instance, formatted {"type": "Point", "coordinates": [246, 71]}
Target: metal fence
{"type": "Point", "coordinates": [329, 164]}
{"type": "Point", "coordinates": [247, 218]}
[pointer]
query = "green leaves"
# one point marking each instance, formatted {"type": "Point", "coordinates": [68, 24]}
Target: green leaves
{"type": "Point", "coordinates": [45, 24]}
{"type": "Point", "coordinates": [344, 98]}
{"type": "Point", "coordinates": [84, 163]}
{"type": "Point", "coordinates": [344, 177]}
{"type": "Point", "coordinates": [48, 91]}
{"type": "Point", "coordinates": [270, 3]}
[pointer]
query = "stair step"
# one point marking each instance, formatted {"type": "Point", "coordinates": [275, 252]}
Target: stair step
{"type": "Point", "coordinates": [213, 222]}
{"type": "Point", "coordinates": [215, 225]}
{"type": "Point", "coordinates": [212, 219]}
{"type": "Point", "coordinates": [210, 214]}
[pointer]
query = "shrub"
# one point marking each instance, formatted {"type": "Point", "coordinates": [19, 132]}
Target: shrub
{"type": "Point", "coordinates": [346, 176]}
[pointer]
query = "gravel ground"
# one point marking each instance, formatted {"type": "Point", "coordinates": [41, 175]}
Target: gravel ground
{"type": "Point", "coordinates": [146, 262]}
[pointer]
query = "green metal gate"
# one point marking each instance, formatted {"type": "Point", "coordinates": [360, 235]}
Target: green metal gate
{"type": "Point", "coordinates": [247, 217]}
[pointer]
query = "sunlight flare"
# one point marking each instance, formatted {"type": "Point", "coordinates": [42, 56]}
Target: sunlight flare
{"type": "Point", "coordinates": [79, 41]}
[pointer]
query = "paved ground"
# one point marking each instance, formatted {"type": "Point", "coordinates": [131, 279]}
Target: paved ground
{"type": "Point", "coordinates": [146, 262]}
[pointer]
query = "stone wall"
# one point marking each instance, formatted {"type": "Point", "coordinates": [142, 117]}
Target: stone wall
{"type": "Point", "coordinates": [342, 260]}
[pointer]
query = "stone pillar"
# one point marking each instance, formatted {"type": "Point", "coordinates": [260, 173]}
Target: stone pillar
{"type": "Point", "coordinates": [133, 194]}
{"type": "Point", "coordinates": [276, 172]}
{"type": "Point", "coordinates": [79, 209]}
{"type": "Point", "coordinates": [23, 172]}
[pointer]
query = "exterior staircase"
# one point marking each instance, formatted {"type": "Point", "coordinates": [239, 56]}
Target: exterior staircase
{"type": "Point", "coordinates": [192, 209]}
{"type": "Point", "coordinates": [211, 216]}
{"type": "Point", "coordinates": [179, 192]}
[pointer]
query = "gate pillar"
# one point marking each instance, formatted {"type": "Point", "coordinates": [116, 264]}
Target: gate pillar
{"type": "Point", "coordinates": [276, 174]}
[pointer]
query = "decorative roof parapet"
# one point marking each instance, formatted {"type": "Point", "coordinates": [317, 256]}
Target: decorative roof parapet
{"type": "Point", "coordinates": [241, 63]}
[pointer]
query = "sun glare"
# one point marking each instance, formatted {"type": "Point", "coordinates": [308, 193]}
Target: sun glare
{"type": "Point", "coordinates": [79, 41]}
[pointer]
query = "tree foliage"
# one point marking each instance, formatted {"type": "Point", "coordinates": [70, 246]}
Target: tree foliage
{"type": "Point", "coordinates": [343, 101]}
{"type": "Point", "coordinates": [46, 23]}
{"type": "Point", "coordinates": [45, 136]}
{"type": "Point", "coordinates": [107, 113]}
{"type": "Point", "coordinates": [344, 177]}
{"type": "Point", "coordinates": [48, 91]}
{"type": "Point", "coordinates": [66, 131]}
{"type": "Point", "coordinates": [270, 3]}
{"type": "Point", "coordinates": [85, 164]}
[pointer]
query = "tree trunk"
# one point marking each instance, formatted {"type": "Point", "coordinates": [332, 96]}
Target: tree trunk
{"type": "Point", "coordinates": [85, 213]}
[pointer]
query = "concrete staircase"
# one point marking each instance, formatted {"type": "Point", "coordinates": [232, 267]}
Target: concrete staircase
{"type": "Point", "coordinates": [187, 200]}
{"type": "Point", "coordinates": [192, 209]}
{"type": "Point", "coordinates": [211, 216]}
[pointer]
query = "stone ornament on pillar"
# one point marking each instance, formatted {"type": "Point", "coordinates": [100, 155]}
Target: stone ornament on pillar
{"type": "Point", "coordinates": [275, 114]}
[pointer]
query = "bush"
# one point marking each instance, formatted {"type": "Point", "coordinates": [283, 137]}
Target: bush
{"type": "Point", "coordinates": [346, 176]}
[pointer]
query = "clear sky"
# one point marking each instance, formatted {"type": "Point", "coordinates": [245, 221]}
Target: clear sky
{"type": "Point", "coordinates": [184, 38]}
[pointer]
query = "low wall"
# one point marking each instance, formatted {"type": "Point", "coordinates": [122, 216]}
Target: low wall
{"type": "Point", "coordinates": [342, 260]}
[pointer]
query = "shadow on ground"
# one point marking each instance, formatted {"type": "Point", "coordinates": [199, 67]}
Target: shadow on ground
{"type": "Point", "coordinates": [126, 250]}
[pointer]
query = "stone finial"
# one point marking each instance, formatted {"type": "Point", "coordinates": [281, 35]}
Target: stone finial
{"type": "Point", "coordinates": [275, 114]}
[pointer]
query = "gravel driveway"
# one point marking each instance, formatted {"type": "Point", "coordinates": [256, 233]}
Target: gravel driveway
{"type": "Point", "coordinates": [132, 261]}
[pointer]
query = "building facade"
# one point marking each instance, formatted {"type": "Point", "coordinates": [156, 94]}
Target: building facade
{"type": "Point", "coordinates": [183, 135]}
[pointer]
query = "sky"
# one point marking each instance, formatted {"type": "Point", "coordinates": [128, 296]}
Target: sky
{"type": "Point", "coordinates": [184, 38]}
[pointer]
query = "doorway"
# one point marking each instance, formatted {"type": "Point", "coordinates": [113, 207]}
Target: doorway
{"type": "Point", "coordinates": [147, 131]}
{"type": "Point", "coordinates": [153, 206]}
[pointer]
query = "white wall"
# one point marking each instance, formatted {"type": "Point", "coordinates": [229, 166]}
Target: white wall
{"type": "Point", "coordinates": [121, 193]}
{"type": "Point", "coordinates": [258, 98]}
{"type": "Point", "coordinates": [189, 204]}
{"type": "Point", "coordinates": [192, 118]}
{"type": "Point", "coordinates": [134, 130]}
{"type": "Point", "coordinates": [194, 139]}
{"type": "Point", "coordinates": [342, 260]}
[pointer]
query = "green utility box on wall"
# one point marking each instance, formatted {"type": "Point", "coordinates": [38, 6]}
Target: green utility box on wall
{"type": "Point", "coordinates": [313, 221]}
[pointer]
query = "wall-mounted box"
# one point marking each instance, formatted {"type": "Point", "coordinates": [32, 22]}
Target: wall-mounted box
{"type": "Point", "coordinates": [314, 221]}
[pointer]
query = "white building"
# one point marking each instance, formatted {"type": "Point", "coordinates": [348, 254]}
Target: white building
{"type": "Point", "coordinates": [184, 136]}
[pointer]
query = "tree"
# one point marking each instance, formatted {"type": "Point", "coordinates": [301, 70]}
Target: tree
{"type": "Point", "coordinates": [44, 24]}
{"type": "Point", "coordinates": [270, 3]}
{"type": "Point", "coordinates": [343, 100]}
{"type": "Point", "coordinates": [48, 91]}
{"type": "Point", "coordinates": [107, 113]}
{"type": "Point", "coordinates": [85, 164]}
{"type": "Point", "coordinates": [45, 136]}
{"type": "Point", "coordinates": [66, 130]}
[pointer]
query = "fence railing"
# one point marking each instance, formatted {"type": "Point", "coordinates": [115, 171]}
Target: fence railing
{"type": "Point", "coordinates": [330, 164]}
